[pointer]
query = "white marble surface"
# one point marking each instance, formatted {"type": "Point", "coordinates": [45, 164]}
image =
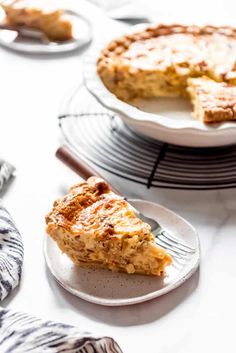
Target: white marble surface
{"type": "Point", "coordinates": [196, 317]}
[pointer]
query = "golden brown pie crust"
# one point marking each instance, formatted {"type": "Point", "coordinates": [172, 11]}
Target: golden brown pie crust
{"type": "Point", "coordinates": [97, 228]}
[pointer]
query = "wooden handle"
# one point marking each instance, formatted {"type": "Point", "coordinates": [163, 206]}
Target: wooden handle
{"type": "Point", "coordinates": [78, 165]}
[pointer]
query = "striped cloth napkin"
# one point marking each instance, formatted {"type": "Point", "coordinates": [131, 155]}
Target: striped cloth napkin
{"type": "Point", "coordinates": [20, 332]}
{"type": "Point", "coordinates": [7, 171]}
{"type": "Point", "coordinates": [11, 246]}
{"type": "Point", "coordinates": [11, 254]}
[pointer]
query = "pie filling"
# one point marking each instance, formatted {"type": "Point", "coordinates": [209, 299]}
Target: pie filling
{"type": "Point", "coordinates": [97, 228]}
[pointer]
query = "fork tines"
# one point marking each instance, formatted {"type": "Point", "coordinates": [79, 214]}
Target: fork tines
{"type": "Point", "coordinates": [175, 247]}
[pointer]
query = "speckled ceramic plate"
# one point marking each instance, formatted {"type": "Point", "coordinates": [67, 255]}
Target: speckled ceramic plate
{"type": "Point", "coordinates": [82, 35]}
{"type": "Point", "coordinates": [107, 288]}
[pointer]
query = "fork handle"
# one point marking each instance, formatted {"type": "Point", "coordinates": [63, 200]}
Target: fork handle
{"type": "Point", "coordinates": [9, 27]}
{"type": "Point", "coordinates": [78, 165]}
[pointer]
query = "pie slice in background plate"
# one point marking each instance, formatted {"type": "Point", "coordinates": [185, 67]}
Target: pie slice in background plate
{"type": "Point", "coordinates": [97, 228]}
{"type": "Point", "coordinates": [42, 15]}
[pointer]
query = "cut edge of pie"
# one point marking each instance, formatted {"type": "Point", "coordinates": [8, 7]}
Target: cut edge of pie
{"type": "Point", "coordinates": [96, 228]}
{"type": "Point", "coordinates": [52, 21]}
{"type": "Point", "coordinates": [213, 102]}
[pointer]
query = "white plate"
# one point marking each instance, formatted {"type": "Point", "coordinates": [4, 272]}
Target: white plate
{"type": "Point", "coordinates": [82, 35]}
{"type": "Point", "coordinates": [113, 289]}
{"type": "Point", "coordinates": [165, 119]}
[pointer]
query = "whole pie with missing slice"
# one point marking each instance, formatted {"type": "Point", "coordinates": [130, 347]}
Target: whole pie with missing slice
{"type": "Point", "coordinates": [40, 14]}
{"type": "Point", "coordinates": [159, 61]}
{"type": "Point", "coordinates": [97, 228]}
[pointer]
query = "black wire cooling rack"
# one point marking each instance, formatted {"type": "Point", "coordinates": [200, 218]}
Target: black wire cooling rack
{"type": "Point", "coordinates": [101, 137]}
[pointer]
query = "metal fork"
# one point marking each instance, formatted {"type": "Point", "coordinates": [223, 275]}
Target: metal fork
{"type": "Point", "coordinates": [175, 247]}
{"type": "Point", "coordinates": [178, 249]}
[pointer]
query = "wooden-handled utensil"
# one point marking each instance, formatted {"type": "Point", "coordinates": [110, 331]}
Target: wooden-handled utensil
{"type": "Point", "coordinates": [78, 165]}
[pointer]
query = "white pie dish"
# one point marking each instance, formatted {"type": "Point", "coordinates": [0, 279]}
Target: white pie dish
{"type": "Point", "coordinates": [168, 120]}
{"type": "Point", "coordinates": [82, 35]}
{"type": "Point", "coordinates": [114, 289]}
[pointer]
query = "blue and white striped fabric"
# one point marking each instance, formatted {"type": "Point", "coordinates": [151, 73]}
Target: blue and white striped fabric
{"type": "Point", "coordinates": [7, 170]}
{"type": "Point", "coordinates": [21, 333]}
{"type": "Point", "coordinates": [11, 254]}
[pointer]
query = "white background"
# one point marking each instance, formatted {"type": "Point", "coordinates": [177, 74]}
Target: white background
{"type": "Point", "coordinates": [198, 316]}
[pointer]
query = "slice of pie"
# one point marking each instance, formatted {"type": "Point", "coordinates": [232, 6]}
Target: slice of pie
{"type": "Point", "coordinates": [97, 228]}
{"type": "Point", "coordinates": [39, 14]}
{"type": "Point", "coordinates": [159, 60]}
{"type": "Point", "coordinates": [213, 102]}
